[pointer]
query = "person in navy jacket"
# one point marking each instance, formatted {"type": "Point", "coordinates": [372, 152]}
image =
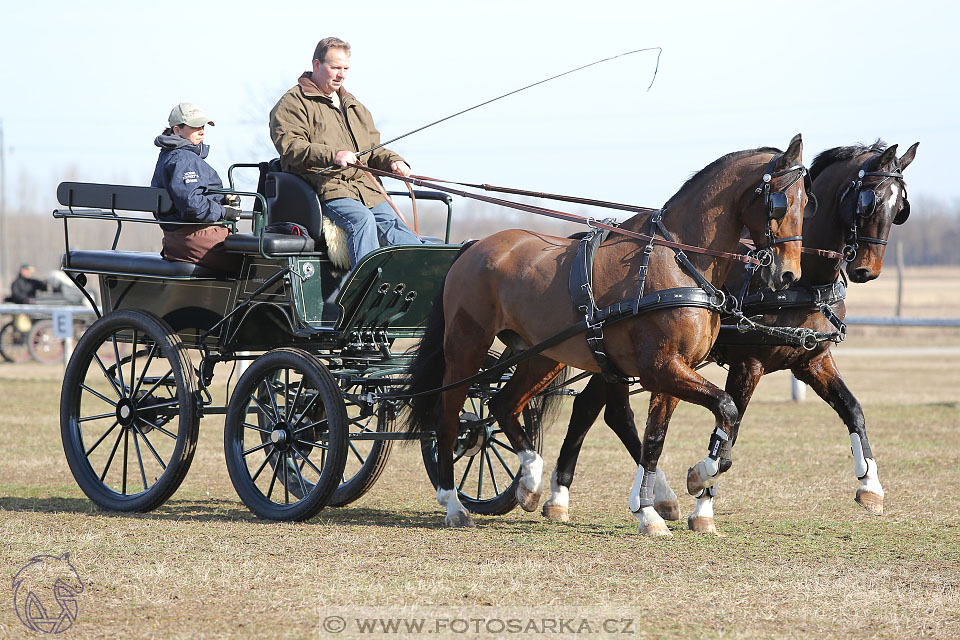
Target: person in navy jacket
{"type": "Point", "coordinates": [182, 170]}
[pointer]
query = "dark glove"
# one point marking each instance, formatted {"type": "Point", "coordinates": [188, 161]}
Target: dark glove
{"type": "Point", "coordinates": [231, 200]}
{"type": "Point", "coordinates": [231, 213]}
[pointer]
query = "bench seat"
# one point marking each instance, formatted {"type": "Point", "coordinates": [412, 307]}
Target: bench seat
{"type": "Point", "coordinates": [136, 263]}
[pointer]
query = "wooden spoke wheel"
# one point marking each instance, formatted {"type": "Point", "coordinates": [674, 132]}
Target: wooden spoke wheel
{"type": "Point", "coordinates": [129, 423]}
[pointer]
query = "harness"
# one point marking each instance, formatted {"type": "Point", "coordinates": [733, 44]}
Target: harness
{"type": "Point", "coordinates": [866, 206]}
{"type": "Point", "coordinates": [705, 295]}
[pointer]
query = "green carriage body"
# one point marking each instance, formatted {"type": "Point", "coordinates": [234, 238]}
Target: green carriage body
{"type": "Point", "coordinates": [313, 335]}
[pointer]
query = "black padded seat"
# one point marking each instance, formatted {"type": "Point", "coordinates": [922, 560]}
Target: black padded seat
{"type": "Point", "coordinates": [136, 262]}
{"type": "Point", "coordinates": [273, 243]}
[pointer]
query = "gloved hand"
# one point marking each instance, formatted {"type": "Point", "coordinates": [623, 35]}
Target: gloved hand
{"type": "Point", "coordinates": [231, 200]}
{"type": "Point", "coordinates": [231, 213]}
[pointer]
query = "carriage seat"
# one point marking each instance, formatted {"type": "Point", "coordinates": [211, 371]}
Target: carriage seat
{"type": "Point", "coordinates": [134, 263]}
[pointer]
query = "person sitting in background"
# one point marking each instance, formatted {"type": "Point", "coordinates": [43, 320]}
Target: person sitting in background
{"type": "Point", "coordinates": [24, 288]}
{"type": "Point", "coordinates": [183, 171]}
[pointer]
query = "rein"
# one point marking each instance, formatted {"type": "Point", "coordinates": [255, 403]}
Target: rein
{"type": "Point", "coordinates": [824, 253]}
{"type": "Point", "coordinates": [569, 217]}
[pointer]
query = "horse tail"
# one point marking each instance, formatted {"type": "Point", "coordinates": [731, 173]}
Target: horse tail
{"type": "Point", "coordinates": [548, 402]}
{"type": "Point", "coordinates": [429, 364]}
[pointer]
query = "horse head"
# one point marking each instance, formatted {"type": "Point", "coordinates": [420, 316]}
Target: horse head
{"type": "Point", "coordinates": [874, 200]}
{"type": "Point", "coordinates": [774, 215]}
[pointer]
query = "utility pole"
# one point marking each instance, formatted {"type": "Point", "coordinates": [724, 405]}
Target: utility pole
{"type": "Point", "coordinates": [4, 256]}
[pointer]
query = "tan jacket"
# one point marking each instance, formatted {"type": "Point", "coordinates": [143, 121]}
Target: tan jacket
{"type": "Point", "coordinates": [308, 130]}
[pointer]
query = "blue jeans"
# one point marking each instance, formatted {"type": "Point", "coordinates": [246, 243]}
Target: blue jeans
{"type": "Point", "coordinates": [367, 228]}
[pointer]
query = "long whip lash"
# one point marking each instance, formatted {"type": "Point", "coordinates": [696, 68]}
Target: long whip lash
{"type": "Point", "coordinates": [659, 50]}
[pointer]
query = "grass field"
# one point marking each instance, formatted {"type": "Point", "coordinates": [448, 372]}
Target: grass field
{"type": "Point", "coordinates": [797, 557]}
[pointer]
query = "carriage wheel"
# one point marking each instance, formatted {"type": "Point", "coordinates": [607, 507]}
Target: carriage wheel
{"type": "Point", "coordinates": [366, 459]}
{"type": "Point", "coordinates": [13, 343]}
{"type": "Point", "coordinates": [44, 346]}
{"type": "Point", "coordinates": [485, 466]}
{"type": "Point", "coordinates": [129, 424]}
{"type": "Point", "coordinates": [299, 439]}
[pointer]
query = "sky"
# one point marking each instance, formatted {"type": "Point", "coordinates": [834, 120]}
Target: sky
{"type": "Point", "coordinates": [87, 86]}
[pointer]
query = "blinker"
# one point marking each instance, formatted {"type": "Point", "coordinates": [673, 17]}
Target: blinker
{"type": "Point", "coordinates": [777, 207]}
{"type": "Point", "coordinates": [903, 214]}
{"type": "Point", "coordinates": [866, 204]}
{"type": "Point", "coordinates": [811, 209]}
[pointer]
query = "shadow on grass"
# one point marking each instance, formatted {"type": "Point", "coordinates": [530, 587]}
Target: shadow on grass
{"type": "Point", "coordinates": [217, 510]}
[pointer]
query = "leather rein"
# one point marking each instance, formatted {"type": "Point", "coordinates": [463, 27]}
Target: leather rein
{"type": "Point", "coordinates": [434, 183]}
{"type": "Point", "coordinates": [570, 217]}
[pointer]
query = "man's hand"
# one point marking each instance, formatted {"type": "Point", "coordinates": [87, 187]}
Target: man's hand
{"type": "Point", "coordinates": [400, 167]}
{"type": "Point", "coordinates": [231, 200]}
{"type": "Point", "coordinates": [345, 158]}
{"type": "Point", "coordinates": [231, 213]}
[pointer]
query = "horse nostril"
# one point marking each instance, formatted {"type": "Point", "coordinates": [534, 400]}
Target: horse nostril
{"type": "Point", "coordinates": [788, 278]}
{"type": "Point", "coordinates": [861, 275]}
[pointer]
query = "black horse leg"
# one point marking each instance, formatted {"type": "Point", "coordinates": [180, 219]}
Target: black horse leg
{"type": "Point", "coordinates": [741, 383]}
{"type": "Point", "coordinates": [824, 378]}
{"type": "Point", "coordinates": [642, 495]}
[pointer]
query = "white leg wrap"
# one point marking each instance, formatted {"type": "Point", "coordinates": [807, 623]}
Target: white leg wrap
{"type": "Point", "coordinates": [704, 508]}
{"type": "Point", "coordinates": [634, 502]}
{"type": "Point", "coordinates": [859, 462]}
{"type": "Point", "coordinates": [531, 472]}
{"type": "Point", "coordinates": [449, 500]}
{"type": "Point", "coordinates": [559, 495]}
{"type": "Point", "coordinates": [870, 481]}
{"type": "Point", "coordinates": [661, 489]}
{"type": "Point", "coordinates": [651, 523]}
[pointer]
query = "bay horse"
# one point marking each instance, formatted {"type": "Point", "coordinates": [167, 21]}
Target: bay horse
{"type": "Point", "coordinates": [513, 285]}
{"type": "Point", "coordinates": [861, 194]}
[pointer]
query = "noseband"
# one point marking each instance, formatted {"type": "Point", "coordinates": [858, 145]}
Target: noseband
{"type": "Point", "coordinates": [866, 206]}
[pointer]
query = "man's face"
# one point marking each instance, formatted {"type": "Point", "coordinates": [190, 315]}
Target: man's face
{"type": "Point", "coordinates": [193, 134]}
{"type": "Point", "coordinates": [330, 74]}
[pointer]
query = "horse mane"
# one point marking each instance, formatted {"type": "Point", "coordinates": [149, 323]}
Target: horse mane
{"type": "Point", "coordinates": [710, 168]}
{"type": "Point", "coordinates": [838, 154]}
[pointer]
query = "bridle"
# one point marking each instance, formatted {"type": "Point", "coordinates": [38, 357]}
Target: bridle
{"type": "Point", "coordinates": [776, 203]}
{"type": "Point", "coordinates": [865, 207]}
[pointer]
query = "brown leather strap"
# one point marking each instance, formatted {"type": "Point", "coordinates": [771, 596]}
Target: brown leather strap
{"type": "Point", "coordinates": [413, 203]}
{"type": "Point", "coordinates": [823, 253]}
{"type": "Point", "coordinates": [383, 192]}
{"type": "Point", "coordinates": [571, 217]}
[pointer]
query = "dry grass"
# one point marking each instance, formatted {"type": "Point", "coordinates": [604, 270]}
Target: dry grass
{"type": "Point", "coordinates": [798, 559]}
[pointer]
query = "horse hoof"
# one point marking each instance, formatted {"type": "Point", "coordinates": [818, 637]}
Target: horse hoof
{"type": "Point", "coordinates": [701, 524]}
{"type": "Point", "coordinates": [459, 520]}
{"type": "Point", "coordinates": [698, 479]}
{"type": "Point", "coordinates": [527, 500]}
{"type": "Point", "coordinates": [655, 529]}
{"type": "Point", "coordinates": [870, 501]}
{"type": "Point", "coordinates": [556, 513]}
{"type": "Point", "coordinates": [668, 510]}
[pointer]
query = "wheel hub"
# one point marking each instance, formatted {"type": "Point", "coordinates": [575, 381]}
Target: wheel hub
{"type": "Point", "coordinates": [126, 412]}
{"type": "Point", "coordinates": [472, 435]}
{"type": "Point", "coordinates": [281, 436]}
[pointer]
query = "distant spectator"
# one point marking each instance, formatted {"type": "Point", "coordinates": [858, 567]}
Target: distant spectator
{"type": "Point", "coordinates": [24, 288]}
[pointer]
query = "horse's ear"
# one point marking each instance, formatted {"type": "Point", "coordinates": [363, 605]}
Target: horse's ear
{"type": "Point", "coordinates": [887, 158]}
{"type": "Point", "coordinates": [907, 158]}
{"type": "Point", "coordinates": [794, 150]}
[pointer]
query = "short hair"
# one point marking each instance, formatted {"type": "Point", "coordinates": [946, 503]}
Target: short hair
{"type": "Point", "coordinates": [320, 53]}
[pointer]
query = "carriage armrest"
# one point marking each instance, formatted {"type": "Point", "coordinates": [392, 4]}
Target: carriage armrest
{"type": "Point", "coordinates": [115, 197]}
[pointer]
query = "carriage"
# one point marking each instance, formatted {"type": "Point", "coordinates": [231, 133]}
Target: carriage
{"type": "Point", "coordinates": [306, 424]}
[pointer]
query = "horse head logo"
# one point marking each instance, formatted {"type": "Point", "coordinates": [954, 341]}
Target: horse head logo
{"type": "Point", "coordinates": [45, 593]}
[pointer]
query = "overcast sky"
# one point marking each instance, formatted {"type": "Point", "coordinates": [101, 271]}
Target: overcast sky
{"type": "Point", "coordinates": [87, 86]}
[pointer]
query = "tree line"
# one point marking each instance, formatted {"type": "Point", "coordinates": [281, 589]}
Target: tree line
{"type": "Point", "coordinates": [931, 237]}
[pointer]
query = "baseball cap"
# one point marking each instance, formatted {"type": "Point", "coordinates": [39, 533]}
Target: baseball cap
{"type": "Point", "coordinates": [189, 114]}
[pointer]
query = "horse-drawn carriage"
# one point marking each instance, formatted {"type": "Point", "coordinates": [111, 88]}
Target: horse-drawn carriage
{"type": "Point", "coordinates": [305, 425]}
